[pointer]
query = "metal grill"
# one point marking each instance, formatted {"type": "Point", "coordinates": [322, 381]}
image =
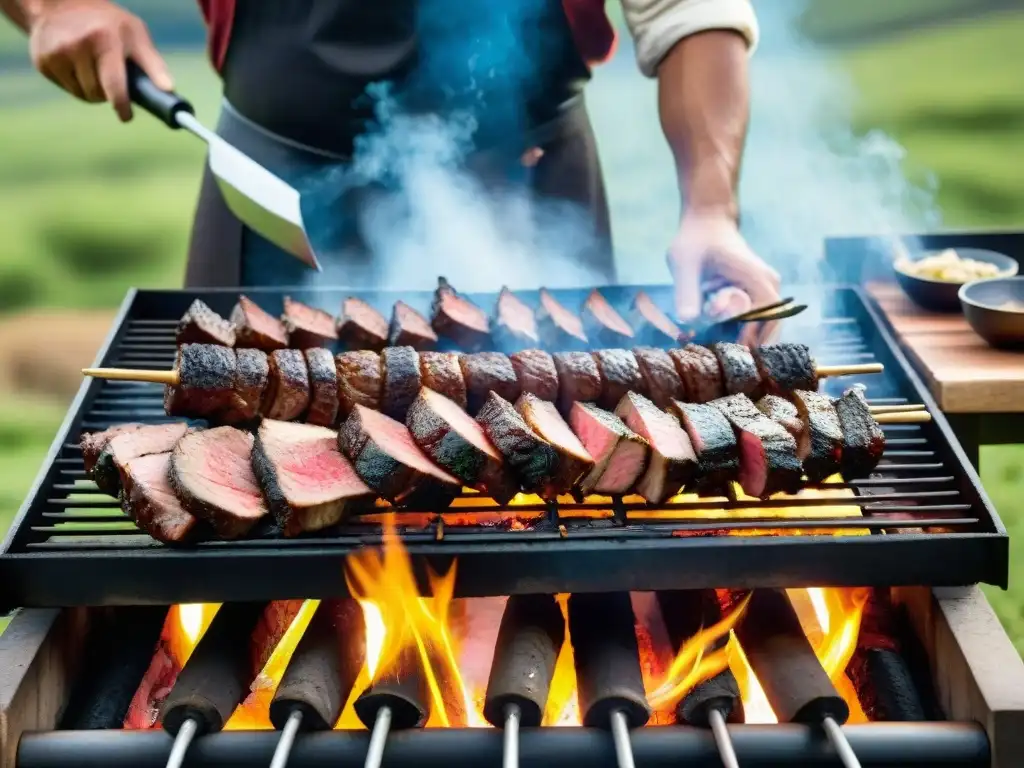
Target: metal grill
{"type": "Point", "coordinates": [925, 518]}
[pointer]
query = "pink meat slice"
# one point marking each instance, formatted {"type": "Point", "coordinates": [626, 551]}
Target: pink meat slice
{"type": "Point", "coordinates": [620, 455]}
{"type": "Point", "coordinates": [256, 328]}
{"type": "Point", "coordinates": [673, 460]}
{"type": "Point", "coordinates": [149, 500]}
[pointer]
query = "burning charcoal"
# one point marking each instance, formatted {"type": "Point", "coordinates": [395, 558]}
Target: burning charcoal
{"type": "Point", "coordinates": [620, 375]}
{"type": "Point", "coordinates": [400, 372]}
{"type": "Point", "coordinates": [361, 326]}
{"type": "Point", "coordinates": [256, 328]}
{"type": "Point", "coordinates": [307, 326]}
{"type": "Point", "coordinates": [306, 480]}
{"type": "Point", "coordinates": [459, 319]}
{"type": "Point", "coordinates": [211, 474]}
{"type": "Point", "coordinates": [672, 459]}
{"type": "Point", "coordinates": [275, 619]}
{"type": "Point", "coordinates": [700, 373]}
{"type": "Point", "coordinates": [558, 327]}
{"type": "Point", "coordinates": [536, 373]}
{"type": "Point", "coordinates": [620, 455]}
{"type": "Point", "coordinates": [108, 471]}
{"type": "Point", "coordinates": [714, 442]}
{"type": "Point", "coordinates": [287, 395]}
{"type": "Point", "coordinates": [409, 328]}
{"type": "Point", "coordinates": [863, 439]}
{"type": "Point", "coordinates": [149, 500]}
{"type": "Point", "coordinates": [651, 324]}
{"type": "Point", "coordinates": [739, 371]}
{"type": "Point", "coordinates": [251, 382]}
{"type": "Point", "coordinates": [579, 381]}
{"type": "Point", "coordinates": [93, 443]}
{"type": "Point", "coordinates": [661, 380]}
{"type": "Point", "coordinates": [206, 381]}
{"type": "Point", "coordinates": [323, 387]}
{"type": "Point", "coordinates": [402, 688]}
{"type": "Point", "coordinates": [824, 437]}
{"type": "Point", "coordinates": [359, 381]}
{"type": "Point", "coordinates": [514, 325]}
{"type": "Point", "coordinates": [486, 372]}
{"type": "Point", "coordinates": [442, 372]}
{"type": "Point", "coordinates": [573, 460]}
{"type": "Point", "coordinates": [768, 462]}
{"type": "Point", "coordinates": [532, 459]}
{"type": "Point", "coordinates": [602, 324]}
{"type": "Point", "coordinates": [780, 410]}
{"type": "Point", "coordinates": [785, 367]}
{"type": "Point", "coordinates": [201, 325]}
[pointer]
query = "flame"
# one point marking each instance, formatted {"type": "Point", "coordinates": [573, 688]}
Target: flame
{"type": "Point", "coordinates": [185, 626]}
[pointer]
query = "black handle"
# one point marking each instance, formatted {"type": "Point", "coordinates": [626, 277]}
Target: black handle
{"type": "Point", "coordinates": [163, 105]}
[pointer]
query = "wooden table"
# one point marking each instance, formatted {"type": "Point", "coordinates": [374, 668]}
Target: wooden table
{"type": "Point", "coordinates": [978, 388]}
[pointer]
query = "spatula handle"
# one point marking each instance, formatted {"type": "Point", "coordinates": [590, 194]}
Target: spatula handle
{"type": "Point", "coordinates": [163, 105]}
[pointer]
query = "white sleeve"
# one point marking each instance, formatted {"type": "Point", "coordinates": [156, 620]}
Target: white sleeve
{"type": "Point", "coordinates": [657, 25]}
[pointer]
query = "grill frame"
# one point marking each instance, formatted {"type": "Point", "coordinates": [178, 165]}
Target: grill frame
{"type": "Point", "coordinates": [591, 558]}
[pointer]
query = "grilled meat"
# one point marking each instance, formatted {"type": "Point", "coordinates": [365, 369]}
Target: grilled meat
{"type": "Point", "coordinates": [514, 325]}
{"type": "Point", "coordinates": [306, 480]}
{"type": "Point", "coordinates": [661, 380]}
{"type": "Point", "coordinates": [651, 324]}
{"type": "Point", "coordinates": [108, 470]}
{"type": "Point", "coordinates": [93, 443]}
{"type": "Point", "coordinates": [211, 474]}
{"type": "Point", "coordinates": [573, 460]}
{"type": "Point", "coordinates": [457, 443]}
{"type": "Point", "coordinates": [700, 373]}
{"type": "Point", "coordinates": [442, 372]}
{"type": "Point", "coordinates": [487, 372]}
{"type": "Point", "coordinates": [620, 374]}
{"type": "Point", "coordinates": [400, 370]}
{"type": "Point", "coordinates": [558, 327]}
{"type": "Point", "coordinates": [785, 413]}
{"type": "Point", "coordinates": [714, 443]}
{"type": "Point", "coordinates": [768, 461]}
{"type": "Point", "coordinates": [250, 383]}
{"type": "Point", "coordinates": [530, 457]}
{"type": "Point", "coordinates": [578, 379]}
{"type": "Point", "coordinates": [824, 436]}
{"type": "Point", "coordinates": [149, 500]}
{"type": "Point", "coordinates": [602, 324]}
{"type": "Point", "coordinates": [409, 328]}
{"type": "Point", "coordinates": [863, 439]}
{"type": "Point", "coordinates": [323, 387]}
{"type": "Point", "coordinates": [307, 326]}
{"type": "Point", "coordinates": [359, 381]}
{"type": "Point", "coordinates": [672, 459]}
{"type": "Point", "coordinates": [388, 460]}
{"type": "Point", "coordinates": [536, 373]}
{"type": "Point", "coordinates": [201, 325]}
{"type": "Point", "coordinates": [458, 318]}
{"type": "Point", "coordinates": [361, 326]}
{"type": "Point", "coordinates": [287, 395]}
{"type": "Point", "coordinates": [785, 367]}
{"type": "Point", "coordinates": [739, 371]}
{"type": "Point", "coordinates": [256, 328]}
{"type": "Point", "coordinates": [206, 381]}
{"type": "Point", "coordinates": [620, 455]}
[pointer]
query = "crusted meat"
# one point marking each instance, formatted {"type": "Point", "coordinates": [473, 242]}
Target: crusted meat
{"type": "Point", "coordinates": [201, 325]}
{"type": "Point", "coordinates": [256, 328]}
{"type": "Point", "coordinates": [514, 325]}
{"type": "Point", "coordinates": [536, 373]}
{"type": "Point", "coordinates": [530, 457]}
{"type": "Point", "coordinates": [108, 470]}
{"type": "Point", "coordinates": [486, 372]}
{"type": "Point", "coordinates": [307, 326]}
{"type": "Point", "coordinates": [206, 381]}
{"type": "Point", "coordinates": [458, 318]}
{"type": "Point", "coordinates": [602, 324]}
{"type": "Point", "coordinates": [768, 460]}
{"type": "Point", "coordinates": [651, 325]}
{"type": "Point", "coordinates": [573, 460]}
{"type": "Point", "coordinates": [149, 500]}
{"type": "Point", "coordinates": [661, 380]}
{"type": "Point", "coordinates": [672, 459]}
{"type": "Point", "coordinates": [361, 326]}
{"type": "Point", "coordinates": [785, 367]}
{"type": "Point", "coordinates": [578, 379]}
{"type": "Point", "coordinates": [400, 371]}
{"type": "Point", "coordinates": [700, 373]}
{"type": "Point", "coordinates": [824, 435]}
{"type": "Point", "coordinates": [739, 371]}
{"type": "Point", "coordinates": [863, 439]}
{"type": "Point", "coordinates": [714, 443]}
{"type": "Point", "coordinates": [93, 443]}
{"type": "Point", "coordinates": [442, 372]}
{"type": "Point", "coordinates": [323, 387]}
{"type": "Point", "coordinates": [785, 413]}
{"type": "Point", "coordinates": [558, 327]}
{"type": "Point", "coordinates": [359, 381]}
{"type": "Point", "coordinates": [620, 455]}
{"type": "Point", "coordinates": [620, 374]}
{"type": "Point", "coordinates": [251, 381]}
{"type": "Point", "coordinates": [409, 328]}
{"type": "Point", "coordinates": [287, 395]}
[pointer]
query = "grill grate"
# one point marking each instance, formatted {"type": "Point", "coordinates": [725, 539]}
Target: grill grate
{"type": "Point", "coordinates": [925, 517]}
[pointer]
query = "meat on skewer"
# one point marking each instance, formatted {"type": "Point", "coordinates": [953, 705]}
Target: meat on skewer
{"type": "Point", "coordinates": [514, 325]}
{"type": "Point", "coordinates": [359, 381]}
{"type": "Point", "coordinates": [360, 326]}
{"type": "Point", "coordinates": [307, 326]}
{"type": "Point", "coordinates": [620, 374]}
{"type": "Point", "coordinates": [252, 376]}
{"type": "Point", "coordinates": [620, 455]}
{"type": "Point", "coordinates": [863, 440]}
{"type": "Point", "coordinates": [700, 372]}
{"type": "Point", "coordinates": [409, 328]}
{"type": "Point", "coordinates": [287, 394]}
{"type": "Point", "coordinates": [661, 379]}
{"type": "Point", "coordinates": [651, 324]}
{"type": "Point", "coordinates": [458, 318]}
{"type": "Point", "coordinates": [442, 372]}
{"type": "Point", "coordinates": [573, 460]}
{"type": "Point", "coordinates": [536, 373]}
{"type": "Point", "coordinates": [559, 328]}
{"type": "Point", "coordinates": [257, 328]}
{"type": "Point", "coordinates": [768, 461]}
{"type": "Point", "coordinates": [739, 371]}
{"type": "Point", "coordinates": [205, 385]}
{"type": "Point", "coordinates": [579, 380]}
{"type": "Point", "coordinates": [323, 387]}
{"type": "Point", "coordinates": [602, 324]}
{"type": "Point", "coordinates": [201, 325]}
{"type": "Point", "coordinates": [486, 372]}
{"type": "Point", "coordinates": [672, 461]}
{"type": "Point", "coordinates": [532, 458]}
{"type": "Point", "coordinates": [714, 443]}
{"type": "Point", "coordinates": [400, 372]}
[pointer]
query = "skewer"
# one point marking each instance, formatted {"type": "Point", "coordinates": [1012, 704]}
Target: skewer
{"type": "Point", "coordinates": [905, 417]}
{"type": "Point", "coordinates": [853, 369]}
{"type": "Point", "coordinates": [398, 697]}
{"type": "Point", "coordinates": [897, 408]}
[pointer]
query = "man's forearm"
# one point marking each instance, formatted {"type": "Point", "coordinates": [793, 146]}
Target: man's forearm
{"type": "Point", "coordinates": [16, 12]}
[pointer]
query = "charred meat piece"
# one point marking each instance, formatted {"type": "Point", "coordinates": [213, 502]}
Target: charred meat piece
{"type": "Point", "coordinates": [739, 371]}
{"type": "Point", "coordinates": [211, 474]}
{"type": "Point", "coordinates": [514, 325]}
{"type": "Point", "coordinates": [306, 480]}
{"type": "Point", "coordinates": [149, 500]}
{"type": "Point", "coordinates": [863, 439]}
{"type": "Point", "coordinates": [323, 387]}
{"type": "Point", "coordinates": [672, 460]}
{"type": "Point", "coordinates": [578, 379]}
{"type": "Point", "coordinates": [457, 443]}
{"type": "Point", "coordinates": [388, 460]}
{"type": "Point", "coordinates": [307, 326]}
{"type": "Point", "coordinates": [785, 367]}
{"type": "Point", "coordinates": [824, 435]}
{"type": "Point", "coordinates": [201, 325]}
{"type": "Point", "coordinates": [206, 381]}
{"type": "Point", "coordinates": [458, 318]}
{"type": "Point", "coordinates": [256, 328]}
{"type": "Point", "coordinates": [651, 324]}
{"type": "Point", "coordinates": [361, 326]}
{"type": "Point", "coordinates": [287, 395]}
{"type": "Point", "coordinates": [410, 329]}
{"type": "Point", "coordinates": [714, 442]}
{"type": "Point", "coordinates": [108, 471]}
{"type": "Point", "coordinates": [785, 413]}
{"type": "Point", "coordinates": [602, 324]}
{"type": "Point", "coordinates": [442, 372]}
{"type": "Point", "coordinates": [400, 371]}
{"type": "Point", "coordinates": [93, 443]}
{"type": "Point", "coordinates": [530, 457]}
{"type": "Point", "coordinates": [768, 461]}
{"type": "Point", "coordinates": [620, 455]}
{"type": "Point", "coordinates": [487, 372]}
{"type": "Point", "coordinates": [558, 327]}
{"type": "Point", "coordinates": [359, 381]}
{"type": "Point", "coordinates": [661, 380]}
{"type": "Point", "coordinates": [573, 460]}
{"type": "Point", "coordinates": [620, 374]}
{"type": "Point", "coordinates": [700, 373]}
{"type": "Point", "coordinates": [536, 373]}
{"type": "Point", "coordinates": [250, 383]}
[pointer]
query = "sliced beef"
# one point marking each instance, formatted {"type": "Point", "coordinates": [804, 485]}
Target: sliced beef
{"type": "Point", "coordinates": [149, 500]}
{"type": "Point", "coordinates": [487, 372]}
{"type": "Point", "coordinates": [323, 387]}
{"type": "Point", "coordinates": [211, 474]}
{"type": "Point", "coordinates": [739, 371]}
{"type": "Point", "coordinates": [673, 461]}
{"type": "Point", "coordinates": [536, 373]}
{"type": "Point", "coordinates": [514, 325]}
{"type": "Point", "coordinates": [714, 443]}
{"type": "Point", "coordinates": [359, 381]}
{"type": "Point", "coordinates": [530, 457]}
{"type": "Point", "coordinates": [457, 443]}
{"type": "Point", "coordinates": [361, 326]}
{"type": "Point", "coordinates": [201, 325]}
{"type": "Point", "coordinates": [578, 379]}
{"type": "Point", "coordinates": [388, 460]}
{"type": "Point", "coordinates": [558, 327]}
{"type": "Point", "coordinates": [287, 395]}
{"type": "Point", "coordinates": [459, 319]}
{"type": "Point", "coordinates": [442, 372]}
{"type": "Point", "coordinates": [768, 460]}
{"type": "Point", "coordinates": [400, 372]}
{"type": "Point", "coordinates": [825, 437]}
{"type": "Point", "coordinates": [785, 367]}
{"type": "Point", "coordinates": [308, 326]}
{"type": "Point", "coordinates": [700, 373]}
{"type": "Point", "coordinates": [573, 460]}
{"type": "Point", "coordinates": [93, 443]}
{"type": "Point", "coordinates": [307, 481]}
{"type": "Point", "coordinates": [206, 381]}
{"type": "Point", "coordinates": [785, 413]}
{"type": "Point", "coordinates": [620, 374]}
{"type": "Point", "coordinates": [122, 448]}
{"type": "Point", "coordinates": [251, 380]}
{"type": "Point", "coordinates": [602, 324]}
{"type": "Point", "coordinates": [620, 454]}
{"type": "Point", "coordinates": [651, 324]}
{"type": "Point", "coordinates": [661, 380]}
{"type": "Point", "coordinates": [256, 328]}
{"type": "Point", "coordinates": [409, 328]}
{"type": "Point", "coordinates": [863, 439]}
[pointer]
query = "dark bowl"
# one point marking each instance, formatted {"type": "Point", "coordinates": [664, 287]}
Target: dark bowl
{"type": "Point", "coordinates": [982, 301]}
{"type": "Point", "coordinates": [943, 296]}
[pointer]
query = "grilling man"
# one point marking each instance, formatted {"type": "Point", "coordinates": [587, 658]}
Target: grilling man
{"type": "Point", "coordinates": [295, 78]}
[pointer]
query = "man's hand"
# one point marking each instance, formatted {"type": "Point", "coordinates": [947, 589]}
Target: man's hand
{"type": "Point", "coordinates": [82, 46]}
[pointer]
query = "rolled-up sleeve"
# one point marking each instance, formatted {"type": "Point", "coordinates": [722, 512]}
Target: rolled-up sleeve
{"type": "Point", "coordinates": [657, 25]}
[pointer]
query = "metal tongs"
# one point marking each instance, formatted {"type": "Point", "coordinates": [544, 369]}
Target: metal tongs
{"type": "Point", "coordinates": [709, 331]}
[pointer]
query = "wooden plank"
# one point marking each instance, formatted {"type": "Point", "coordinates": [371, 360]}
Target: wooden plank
{"type": "Point", "coordinates": [964, 374]}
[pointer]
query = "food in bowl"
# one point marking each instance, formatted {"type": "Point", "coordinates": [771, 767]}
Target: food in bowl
{"type": "Point", "coordinates": [947, 266]}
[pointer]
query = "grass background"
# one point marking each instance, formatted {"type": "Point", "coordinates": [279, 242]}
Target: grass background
{"type": "Point", "coordinates": [89, 207]}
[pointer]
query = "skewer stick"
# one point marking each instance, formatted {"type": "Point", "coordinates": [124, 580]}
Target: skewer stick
{"type": "Point", "coordinates": [284, 745]}
{"type": "Point", "coordinates": [620, 735]}
{"type": "Point", "coordinates": [182, 740]}
{"type": "Point", "coordinates": [726, 751]}
{"type": "Point", "coordinates": [169, 378]}
{"type": "Point", "coordinates": [378, 738]}
{"type": "Point", "coordinates": [510, 753]}
{"type": "Point", "coordinates": [825, 371]}
{"type": "Point", "coordinates": [840, 744]}
{"type": "Point", "coordinates": [906, 417]}
{"type": "Point", "coordinates": [876, 409]}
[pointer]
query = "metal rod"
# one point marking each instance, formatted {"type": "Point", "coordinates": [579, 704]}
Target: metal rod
{"type": "Point", "coordinates": [510, 745]}
{"type": "Point", "coordinates": [181, 743]}
{"type": "Point", "coordinates": [721, 733]}
{"type": "Point", "coordinates": [842, 746]}
{"type": "Point", "coordinates": [378, 738]}
{"type": "Point", "coordinates": [284, 744]}
{"type": "Point", "coordinates": [620, 736]}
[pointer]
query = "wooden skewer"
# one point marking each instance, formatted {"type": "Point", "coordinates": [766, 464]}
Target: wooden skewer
{"type": "Point", "coordinates": [906, 417]}
{"type": "Point", "coordinates": [826, 371]}
{"type": "Point", "coordinates": [130, 374]}
{"type": "Point", "coordinates": [897, 408]}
